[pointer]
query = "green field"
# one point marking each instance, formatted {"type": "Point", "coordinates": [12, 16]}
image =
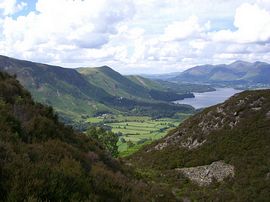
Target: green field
{"type": "Point", "coordinates": [136, 131]}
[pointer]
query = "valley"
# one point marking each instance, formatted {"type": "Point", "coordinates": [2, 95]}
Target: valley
{"type": "Point", "coordinates": [134, 101]}
{"type": "Point", "coordinates": [89, 92]}
{"type": "Point", "coordinates": [121, 131]}
{"type": "Point", "coordinates": [135, 132]}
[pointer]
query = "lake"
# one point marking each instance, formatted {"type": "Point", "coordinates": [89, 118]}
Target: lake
{"type": "Point", "coordinates": [207, 99]}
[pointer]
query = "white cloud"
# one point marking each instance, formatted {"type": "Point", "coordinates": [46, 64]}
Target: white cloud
{"type": "Point", "coordinates": [9, 7]}
{"type": "Point", "coordinates": [182, 29]}
{"type": "Point", "coordinates": [64, 24]}
{"type": "Point", "coordinates": [137, 35]}
{"type": "Point", "coordinates": [252, 23]}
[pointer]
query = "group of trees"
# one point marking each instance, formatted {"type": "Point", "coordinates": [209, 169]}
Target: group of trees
{"type": "Point", "coordinates": [107, 138]}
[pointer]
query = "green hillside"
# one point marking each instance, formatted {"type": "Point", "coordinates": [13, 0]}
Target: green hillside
{"type": "Point", "coordinates": [43, 160]}
{"type": "Point", "coordinates": [114, 83]}
{"type": "Point", "coordinates": [147, 83]}
{"type": "Point", "coordinates": [96, 91]}
{"type": "Point", "coordinates": [219, 154]}
{"type": "Point", "coordinates": [64, 89]}
{"type": "Point", "coordinates": [130, 87]}
{"type": "Point", "coordinates": [161, 84]}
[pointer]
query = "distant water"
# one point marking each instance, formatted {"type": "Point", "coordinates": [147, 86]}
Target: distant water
{"type": "Point", "coordinates": [207, 99]}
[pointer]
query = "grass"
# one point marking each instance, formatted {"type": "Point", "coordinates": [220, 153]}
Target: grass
{"type": "Point", "coordinates": [137, 131]}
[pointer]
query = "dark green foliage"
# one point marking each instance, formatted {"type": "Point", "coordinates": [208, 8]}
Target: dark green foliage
{"type": "Point", "coordinates": [43, 160]}
{"type": "Point", "coordinates": [141, 108]}
{"type": "Point", "coordinates": [107, 138]}
{"type": "Point", "coordinates": [246, 146]}
{"type": "Point", "coordinates": [183, 88]}
{"type": "Point", "coordinates": [169, 96]}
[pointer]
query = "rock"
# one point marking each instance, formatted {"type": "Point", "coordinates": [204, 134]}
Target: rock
{"type": "Point", "coordinates": [256, 108]}
{"type": "Point", "coordinates": [267, 176]}
{"type": "Point", "coordinates": [240, 102]}
{"type": "Point", "coordinates": [204, 175]}
{"type": "Point", "coordinates": [161, 146]}
{"type": "Point", "coordinates": [191, 144]}
{"type": "Point", "coordinates": [185, 199]}
{"type": "Point", "coordinates": [257, 103]}
{"type": "Point", "coordinates": [268, 115]}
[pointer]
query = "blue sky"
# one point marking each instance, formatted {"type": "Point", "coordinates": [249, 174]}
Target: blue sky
{"type": "Point", "coordinates": [136, 36]}
{"type": "Point", "coordinates": [30, 6]}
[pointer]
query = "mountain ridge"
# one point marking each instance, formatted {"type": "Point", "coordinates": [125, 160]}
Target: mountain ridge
{"type": "Point", "coordinates": [237, 72]}
{"type": "Point", "coordinates": [75, 95]}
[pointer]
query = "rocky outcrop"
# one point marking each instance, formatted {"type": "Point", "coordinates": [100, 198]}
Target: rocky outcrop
{"type": "Point", "coordinates": [204, 175]}
{"type": "Point", "coordinates": [193, 133]}
{"type": "Point", "coordinates": [268, 115]}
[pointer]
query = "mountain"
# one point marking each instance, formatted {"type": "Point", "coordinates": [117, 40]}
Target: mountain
{"type": "Point", "coordinates": [219, 154]}
{"type": "Point", "coordinates": [93, 91]}
{"type": "Point", "coordinates": [130, 87]}
{"type": "Point", "coordinates": [239, 72]}
{"type": "Point", "coordinates": [183, 88]}
{"type": "Point", "coordinates": [43, 160]}
{"type": "Point", "coordinates": [179, 88]}
{"type": "Point", "coordinates": [147, 83]}
{"type": "Point", "coordinates": [63, 88]}
{"type": "Point", "coordinates": [114, 83]}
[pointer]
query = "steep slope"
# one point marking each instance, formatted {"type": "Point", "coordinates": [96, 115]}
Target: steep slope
{"type": "Point", "coordinates": [147, 83]}
{"type": "Point", "coordinates": [43, 160]}
{"type": "Point", "coordinates": [239, 72]}
{"type": "Point", "coordinates": [220, 154]}
{"type": "Point", "coordinates": [130, 87]}
{"type": "Point", "coordinates": [63, 88]}
{"type": "Point", "coordinates": [114, 83]}
{"type": "Point", "coordinates": [75, 96]}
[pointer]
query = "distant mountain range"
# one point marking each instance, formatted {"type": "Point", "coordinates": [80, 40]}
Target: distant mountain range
{"type": "Point", "coordinates": [239, 72]}
{"type": "Point", "coordinates": [82, 92]}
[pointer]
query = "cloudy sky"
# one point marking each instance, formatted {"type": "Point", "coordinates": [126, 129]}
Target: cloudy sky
{"type": "Point", "coordinates": [135, 36]}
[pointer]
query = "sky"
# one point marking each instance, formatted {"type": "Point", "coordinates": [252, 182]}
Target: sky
{"type": "Point", "coordinates": [135, 36]}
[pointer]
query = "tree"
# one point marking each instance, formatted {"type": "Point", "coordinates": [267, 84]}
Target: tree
{"type": "Point", "coordinates": [107, 138]}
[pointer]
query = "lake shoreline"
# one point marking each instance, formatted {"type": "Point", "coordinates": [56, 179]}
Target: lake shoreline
{"type": "Point", "coordinates": [207, 99]}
